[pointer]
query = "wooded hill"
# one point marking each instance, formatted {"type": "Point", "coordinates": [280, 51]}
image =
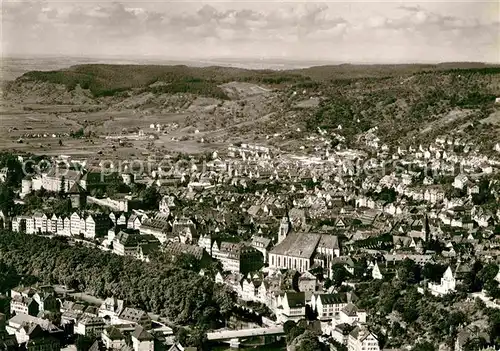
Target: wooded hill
{"type": "Point", "coordinates": [179, 294]}
{"type": "Point", "coordinates": [408, 103]}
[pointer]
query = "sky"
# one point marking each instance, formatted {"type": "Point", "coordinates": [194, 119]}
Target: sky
{"type": "Point", "coordinates": [347, 31]}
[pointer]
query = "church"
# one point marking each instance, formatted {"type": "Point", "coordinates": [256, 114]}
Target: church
{"type": "Point", "coordinates": [303, 250]}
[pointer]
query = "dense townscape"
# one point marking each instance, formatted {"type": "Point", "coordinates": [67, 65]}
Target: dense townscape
{"type": "Point", "coordinates": [370, 248]}
{"type": "Point", "coordinates": [249, 175]}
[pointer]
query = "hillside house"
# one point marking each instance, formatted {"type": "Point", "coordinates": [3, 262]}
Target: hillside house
{"type": "Point", "coordinates": [291, 306]}
{"type": "Point", "coordinates": [361, 339]}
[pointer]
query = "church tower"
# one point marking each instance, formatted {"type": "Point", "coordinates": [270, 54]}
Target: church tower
{"type": "Point", "coordinates": [426, 229]}
{"type": "Point", "coordinates": [285, 227]}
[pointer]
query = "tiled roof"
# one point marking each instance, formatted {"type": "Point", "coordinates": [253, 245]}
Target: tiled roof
{"type": "Point", "coordinates": [142, 335]}
{"type": "Point", "coordinates": [296, 244]}
{"type": "Point", "coordinates": [114, 333]}
{"type": "Point", "coordinates": [132, 314]}
{"type": "Point", "coordinates": [295, 299]}
{"type": "Point", "coordinates": [178, 248]}
{"type": "Point", "coordinates": [331, 299]}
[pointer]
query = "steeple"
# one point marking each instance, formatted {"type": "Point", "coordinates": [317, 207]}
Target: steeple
{"type": "Point", "coordinates": [426, 228]}
{"type": "Point", "coordinates": [285, 228]}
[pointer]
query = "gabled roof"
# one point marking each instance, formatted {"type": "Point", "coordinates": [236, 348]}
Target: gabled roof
{"type": "Point", "coordinates": [175, 248]}
{"type": "Point", "coordinates": [76, 189]}
{"type": "Point", "coordinates": [296, 244]}
{"type": "Point", "coordinates": [97, 346]}
{"type": "Point", "coordinates": [333, 299]}
{"type": "Point", "coordinates": [260, 241]}
{"type": "Point", "coordinates": [132, 314]}
{"type": "Point", "coordinates": [114, 333]}
{"type": "Point", "coordinates": [295, 299]}
{"type": "Point", "coordinates": [328, 241]}
{"type": "Point", "coordinates": [350, 310]}
{"type": "Point", "coordinates": [141, 334]}
{"type": "Point", "coordinates": [361, 332]}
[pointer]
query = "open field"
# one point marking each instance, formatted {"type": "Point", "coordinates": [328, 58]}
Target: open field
{"type": "Point", "coordinates": [41, 127]}
{"type": "Point", "coordinates": [451, 117]}
{"type": "Point", "coordinates": [204, 109]}
{"type": "Point", "coordinates": [494, 118]}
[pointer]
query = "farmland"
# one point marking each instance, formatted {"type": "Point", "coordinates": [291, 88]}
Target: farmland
{"type": "Point", "coordinates": [130, 109]}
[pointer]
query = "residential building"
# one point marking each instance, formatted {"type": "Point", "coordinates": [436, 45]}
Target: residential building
{"type": "Point", "coordinates": [74, 224]}
{"type": "Point", "coordinates": [307, 282]}
{"type": "Point", "coordinates": [111, 309]}
{"type": "Point", "coordinates": [136, 316]}
{"type": "Point", "coordinates": [88, 325]}
{"type": "Point", "coordinates": [126, 243]}
{"type": "Point", "coordinates": [292, 306]}
{"type": "Point", "coordinates": [237, 257]}
{"type": "Point", "coordinates": [361, 339]}
{"type": "Point", "coordinates": [142, 340]}
{"type": "Point", "coordinates": [329, 306]}
{"type": "Point", "coordinates": [350, 314]}
{"type": "Point", "coordinates": [113, 338]}
{"type": "Point", "coordinates": [96, 225]}
{"type": "Point", "coordinates": [376, 273]}
{"type": "Point", "coordinates": [261, 244]}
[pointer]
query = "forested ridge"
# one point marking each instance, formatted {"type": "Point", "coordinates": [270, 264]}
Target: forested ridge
{"type": "Point", "coordinates": [108, 80]}
{"type": "Point", "coordinates": [407, 104]}
{"type": "Point", "coordinates": [181, 295]}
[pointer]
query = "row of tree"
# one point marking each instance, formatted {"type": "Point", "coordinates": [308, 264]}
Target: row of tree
{"type": "Point", "coordinates": [180, 295]}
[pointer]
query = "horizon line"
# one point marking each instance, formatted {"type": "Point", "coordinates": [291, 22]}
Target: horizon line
{"type": "Point", "coordinates": [229, 59]}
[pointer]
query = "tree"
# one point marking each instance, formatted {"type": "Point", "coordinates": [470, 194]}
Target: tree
{"type": "Point", "coordinates": [310, 342]}
{"type": "Point", "coordinates": [83, 343]}
{"type": "Point", "coordinates": [478, 343]}
{"type": "Point", "coordinates": [188, 261]}
{"type": "Point", "coordinates": [62, 206]}
{"type": "Point", "coordinates": [181, 336]}
{"type": "Point", "coordinates": [225, 299]}
{"type": "Point", "coordinates": [6, 198]}
{"type": "Point", "coordinates": [151, 197]}
{"type": "Point", "coordinates": [15, 172]}
{"type": "Point", "coordinates": [409, 272]}
{"type": "Point", "coordinates": [456, 318]}
{"type": "Point", "coordinates": [387, 195]}
{"type": "Point", "coordinates": [197, 339]}
{"type": "Point", "coordinates": [62, 187]}
{"type": "Point", "coordinates": [181, 295]}
{"type": "Point", "coordinates": [339, 274]}
{"type": "Point", "coordinates": [487, 273]}
{"type": "Point", "coordinates": [424, 346]}
{"type": "Point", "coordinates": [410, 314]}
{"type": "Point", "coordinates": [294, 332]}
{"type": "Point", "coordinates": [288, 326]}
{"type": "Point", "coordinates": [433, 272]}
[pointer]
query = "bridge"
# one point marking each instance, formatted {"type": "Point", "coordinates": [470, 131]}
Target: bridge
{"type": "Point", "coordinates": [233, 336]}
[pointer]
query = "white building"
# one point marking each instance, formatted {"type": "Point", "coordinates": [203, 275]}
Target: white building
{"type": "Point", "coordinates": [376, 274]}
{"type": "Point", "coordinates": [328, 306]}
{"type": "Point", "coordinates": [447, 285]}
{"type": "Point", "coordinates": [74, 224]}
{"type": "Point", "coordinates": [352, 315]}
{"type": "Point", "coordinates": [291, 306]}
{"type": "Point", "coordinates": [460, 181]}
{"type": "Point", "coordinates": [113, 339]}
{"type": "Point", "coordinates": [142, 340]}
{"type": "Point", "coordinates": [361, 339]}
